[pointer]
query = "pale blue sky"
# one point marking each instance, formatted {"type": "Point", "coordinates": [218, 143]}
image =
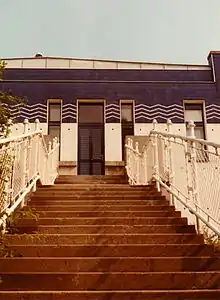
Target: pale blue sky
{"type": "Point", "coordinates": [172, 31]}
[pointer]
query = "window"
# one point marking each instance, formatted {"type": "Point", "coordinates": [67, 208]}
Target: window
{"type": "Point", "coordinates": [54, 119]}
{"type": "Point", "coordinates": [127, 123]}
{"type": "Point", "coordinates": [194, 112]}
{"type": "Point", "coordinates": [126, 113]}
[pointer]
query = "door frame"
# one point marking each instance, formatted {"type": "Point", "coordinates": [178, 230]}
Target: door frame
{"type": "Point", "coordinates": [89, 125]}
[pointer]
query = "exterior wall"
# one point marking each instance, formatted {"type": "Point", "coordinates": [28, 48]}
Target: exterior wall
{"type": "Point", "coordinates": [158, 91]}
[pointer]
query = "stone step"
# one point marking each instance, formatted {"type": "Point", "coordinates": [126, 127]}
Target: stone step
{"type": "Point", "coordinates": [91, 177]}
{"type": "Point", "coordinates": [104, 221]}
{"type": "Point", "coordinates": [107, 214]}
{"type": "Point", "coordinates": [92, 181]}
{"type": "Point", "coordinates": [59, 196]}
{"type": "Point", "coordinates": [114, 250]}
{"type": "Point", "coordinates": [89, 229]}
{"type": "Point", "coordinates": [104, 239]}
{"type": "Point", "coordinates": [100, 180]}
{"type": "Point", "coordinates": [98, 187]}
{"type": "Point", "coordinates": [119, 193]}
{"type": "Point", "coordinates": [98, 202]}
{"type": "Point", "coordinates": [109, 264]}
{"type": "Point", "coordinates": [61, 281]}
{"type": "Point", "coordinates": [201, 294]}
{"type": "Point", "coordinates": [102, 207]}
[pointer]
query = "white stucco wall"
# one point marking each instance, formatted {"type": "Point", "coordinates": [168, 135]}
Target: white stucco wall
{"type": "Point", "coordinates": [18, 128]}
{"type": "Point", "coordinates": [69, 132]}
{"type": "Point", "coordinates": [113, 151]}
{"type": "Point", "coordinates": [213, 132]}
{"type": "Point", "coordinates": [145, 128]}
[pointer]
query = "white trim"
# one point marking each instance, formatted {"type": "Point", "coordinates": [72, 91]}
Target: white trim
{"type": "Point", "coordinates": [213, 68]}
{"type": "Point", "coordinates": [73, 63]}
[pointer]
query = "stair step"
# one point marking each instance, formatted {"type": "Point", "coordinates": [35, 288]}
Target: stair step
{"type": "Point", "coordinates": [100, 196]}
{"type": "Point", "coordinates": [109, 264]}
{"type": "Point", "coordinates": [102, 207]}
{"type": "Point", "coordinates": [89, 229]}
{"type": "Point", "coordinates": [105, 221]}
{"type": "Point", "coordinates": [57, 239]}
{"type": "Point", "coordinates": [97, 202]}
{"type": "Point", "coordinates": [62, 281]}
{"type": "Point", "coordinates": [98, 191]}
{"type": "Point", "coordinates": [201, 294]}
{"type": "Point", "coordinates": [108, 187]}
{"type": "Point", "coordinates": [132, 250]}
{"type": "Point", "coordinates": [107, 214]}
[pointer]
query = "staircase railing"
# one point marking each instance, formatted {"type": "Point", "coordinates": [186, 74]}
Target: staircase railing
{"type": "Point", "coordinates": [24, 160]}
{"type": "Point", "coordinates": [186, 167]}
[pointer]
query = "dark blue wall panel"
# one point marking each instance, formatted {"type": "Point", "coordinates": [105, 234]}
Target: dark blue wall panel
{"type": "Point", "coordinates": [137, 75]}
{"type": "Point", "coordinates": [157, 93]}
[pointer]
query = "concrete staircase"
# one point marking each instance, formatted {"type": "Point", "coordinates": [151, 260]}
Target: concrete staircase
{"type": "Point", "coordinates": [97, 238]}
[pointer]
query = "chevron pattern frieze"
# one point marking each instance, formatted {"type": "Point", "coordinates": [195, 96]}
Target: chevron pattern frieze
{"type": "Point", "coordinates": [112, 111]}
{"type": "Point", "coordinates": [69, 111]}
{"type": "Point", "coordinates": [213, 112]}
{"type": "Point", "coordinates": [30, 112]}
{"type": "Point", "coordinates": [159, 111]}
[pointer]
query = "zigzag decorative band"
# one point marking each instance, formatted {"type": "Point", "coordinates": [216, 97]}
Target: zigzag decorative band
{"type": "Point", "coordinates": [213, 112]}
{"type": "Point", "coordinates": [69, 111]}
{"type": "Point", "coordinates": [159, 111]}
{"type": "Point", "coordinates": [143, 112]}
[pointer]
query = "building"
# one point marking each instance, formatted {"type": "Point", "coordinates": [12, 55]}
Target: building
{"type": "Point", "coordinates": [91, 105]}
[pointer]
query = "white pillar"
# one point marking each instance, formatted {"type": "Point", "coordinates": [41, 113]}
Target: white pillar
{"type": "Point", "coordinates": [37, 125]}
{"type": "Point", "coordinates": [26, 123]}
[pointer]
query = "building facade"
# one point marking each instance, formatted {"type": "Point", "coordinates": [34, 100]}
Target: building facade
{"type": "Point", "coordinates": [91, 105]}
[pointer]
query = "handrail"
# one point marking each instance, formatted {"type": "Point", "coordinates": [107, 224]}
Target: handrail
{"type": "Point", "coordinates": [24, 160]}
{"type": "Point", "coordinates": [186, 138]}
{"type": "Point", "coordinates": [15, 138]}
{"type": "Point", "coordinates": [187, 167]}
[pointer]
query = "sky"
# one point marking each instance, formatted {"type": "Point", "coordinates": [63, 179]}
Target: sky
{"type": "Point", "coordinates": [169, 31]}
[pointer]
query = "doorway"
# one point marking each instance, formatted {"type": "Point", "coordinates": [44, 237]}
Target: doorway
{"type": "Point", "coordinates": [91, 151]}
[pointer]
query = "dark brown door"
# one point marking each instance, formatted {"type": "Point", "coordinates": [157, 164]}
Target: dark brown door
{"type": "Point", "coordinates": [91, 159]}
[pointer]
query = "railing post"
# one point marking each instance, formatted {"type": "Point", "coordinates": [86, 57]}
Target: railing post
{"type": "Point", "coordinates": [131, 161]}
{"type": "Point", "coordinates": [26, 123]}
{"type": "Point", "coordinates": [171, 160]}
{"type": "Point", "coordinates": [53, 170]}
{"type": "Point", "coordinates": [194, 175]}
{"type": "Point", "coordinates": [156, 162]}
{"type": "Point", "coordinates": [145, 166]}
{"type": "Point", "coordinates": [128, 160]}
{"type": "Point", "coordinates": [9, 124]}
{"type": "Point", "coordinates": [37, 125]}
{"type": "Point", "coordinates": [36, 128]}
{"type": "Point", "coordinates": [24, 159]}
{"type": "Point", "coordinates": [137, 162]}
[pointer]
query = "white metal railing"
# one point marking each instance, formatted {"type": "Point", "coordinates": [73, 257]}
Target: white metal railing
{"type": "Point", "coordinates": [24, 160]}
{"type": "Point", "coordinates": [188, 168]}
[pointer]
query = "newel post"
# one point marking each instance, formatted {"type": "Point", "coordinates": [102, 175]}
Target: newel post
{"type": "Point", "coordinates": [171, 160]}
{"type": "Point", "coordinates": [24, 153]}
{"type": "Point", "coordinates": [26, 125]}
{"type": "Point", "coordinates": [37, 145]}
{"type": "Point", "coordinates": [155, 150]}
{"type": "Point", "coordinates": [194, 176]}
{"type": "Point", "coordinates": [37, 125]}
{"type": "Point", "coordinates": [137, 163]}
